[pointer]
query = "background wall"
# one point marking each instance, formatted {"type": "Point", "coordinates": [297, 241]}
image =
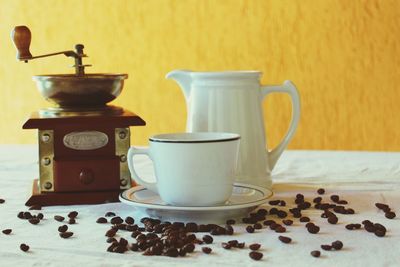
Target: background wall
{"type": "Point", "coordinates": [344, 56]}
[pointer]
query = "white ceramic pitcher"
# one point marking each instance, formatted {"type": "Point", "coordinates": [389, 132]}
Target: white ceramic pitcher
{"type": "Point", "coordinates": [231, 101]}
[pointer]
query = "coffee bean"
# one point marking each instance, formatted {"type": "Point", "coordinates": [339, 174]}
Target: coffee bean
{"type": "Point", "coordinates": [357, 226]}
{"type": "Point", "coordinates": [282, 203]}
{"type": "Point", "coordinates": [208, 239]}
{"type": "Point", "coordinates": [337, 245]}
{"type": "Point", "coordinates": [111, 240]}
{"type": "Point", "coordinates": [230, 222]}
{"type": "Point", "coordinates": [73, 214]}
{"type": "Point", "coordinates": [254, 246]}
{"type": "Point", "coordinates": [313, 229]}
{"type": "Point", "coordinates": [369, 228]}
{"type": "Point", "coordinates": [40, 216]}
{"type": "Point", "coordinates": [206, 250]}
{"type": "Point", "coordinates": [282, 214]}
{"type": "Point", "coordinates": [317, 200]}
{"type": "Point", "coordinates": [35, 207]}
{"type": "Point", "coordinates": [24, 247]}
{"type": "Point", "coordinates": [111, 233]}
{"type": "Point", "coordinates": [280, 229]}
{"type": "Point", "coordinates": [233, 243]}
{"type": "Point", "coordinates": [21, 215]}
{"type": "Point", "coordinates": [34, 220]}
{"type": "Point", "coordinates": [309, 224]}
{"type": "Point", "coordinates": [7, 231]}
{"type": "Point", "coordinates": [350, 226]}
{"type": "Point", "coordinates": [326, 247]}
{"type": "Point", "coordinates": [172, 252]}
{"type": "Point", "coordinates": [390, 214]}
{"type": "Point", "coordinates": [2, 201]}
{"type": "Point", "coordinates": [349, 211]}
{"type": "Point", "coordinates": [255, 255]}
{"type": "Point", "coordinates": [71, 221]}
{"type": "Point", "coordinates": [342, 202]}
{"type": "Point", "coordinates": [129, 220]}
{"type": "Point", "coordinates": [116, 220]}
{"type": "Point", "coordinates": [27, 215]}
{"type": "Point", "coordinates": [257, 226]}
{"type": "Point", "coordinates": [268, 222]}
{"type": "Point", "coordinates": [304, 219]}
{"type": "Point", "coordinates": [101, 220]}
{"type": "Point", "coordinates": [382, 206]}
{"type": "Point", "coordinates": [334, 198]}
{"type": "Point", "coordinates": [241, 245]}
{"type": "Point", "coordinates": [63, 228]}
{"type": "Point", "coordinates": [274, 202]}
{"type": "Point", "coordinates": [304, 205]}
{"type": "Point", "coordinates": [333, 219]}
{"type": "Point", "coordinates": [189, 248]}
{"type": "Point", "coordinates": [226, 245]}
{"type": "Point", "coordinates": [380, 232]}
{"type": "Point", "coordinates": [134, 247]}
{"type": "Point", "coordinates": [285, 239]}
{"type": "Point", "coordinates": [321, 191]}
{"type": "Point", "coordinates": [250, 229]}
{"type": "Point", "coordinates": [315, 253]}
{"type": "Point", "coordinates": [229, 229]}
{"type": "Point", "coordinates": [59, 218]}
{"type": "Point", "coordinates": [66, 234]}
{"type": "Point", "coordinates": [110, 214]}
{"type": "Point", "coordinates": [287, 222]}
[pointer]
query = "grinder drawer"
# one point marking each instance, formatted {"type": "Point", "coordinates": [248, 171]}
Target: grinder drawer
{"type": "Point", "coordinates": [80, 174]}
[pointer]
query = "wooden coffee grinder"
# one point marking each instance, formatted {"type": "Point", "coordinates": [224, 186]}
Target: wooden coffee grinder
{"type": "Point", "coordinates": [83, 142]}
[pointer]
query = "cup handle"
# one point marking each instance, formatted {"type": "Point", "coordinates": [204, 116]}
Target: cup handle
{"type": "Point", "coordinates": [131, 153]}
{"type": "Point", "coordinates": [289, 88]}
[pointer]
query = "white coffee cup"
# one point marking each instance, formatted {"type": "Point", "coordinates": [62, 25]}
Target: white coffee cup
{"type": "Point", "coordinates": [191, 169]}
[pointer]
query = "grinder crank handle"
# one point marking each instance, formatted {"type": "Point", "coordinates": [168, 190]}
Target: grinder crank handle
{"type": "Point", "coordinates": [21, 36]}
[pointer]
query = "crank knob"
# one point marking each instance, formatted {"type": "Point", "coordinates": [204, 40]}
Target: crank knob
{"type": "Point", "coordinates": [21, 36]}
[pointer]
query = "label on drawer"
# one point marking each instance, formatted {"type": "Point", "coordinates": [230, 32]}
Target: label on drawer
{"type": "Point", "coordinates": [87, 140]}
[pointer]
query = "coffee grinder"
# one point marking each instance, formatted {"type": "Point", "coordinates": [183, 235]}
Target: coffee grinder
{"type": "Point", "coordinates": [83, 142]}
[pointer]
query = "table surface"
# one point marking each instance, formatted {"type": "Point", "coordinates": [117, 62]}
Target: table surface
{"type": "Point", "coordinates": [361, 178]}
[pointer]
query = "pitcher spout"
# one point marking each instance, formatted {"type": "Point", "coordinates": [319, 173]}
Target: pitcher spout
{"type": "Point", "coordinates": [183, 78]}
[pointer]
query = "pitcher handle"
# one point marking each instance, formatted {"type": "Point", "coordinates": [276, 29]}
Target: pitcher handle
{"type": "Point", "coordinates": [289, 88]}
{"type": "Point", "coordinates": [137, 151]}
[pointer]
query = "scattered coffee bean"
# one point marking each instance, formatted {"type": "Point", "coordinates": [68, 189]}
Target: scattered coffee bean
{"type": "Point", "coordinates": [134, 247]}
{"type": "Point", "coordinates": [304, 219]}
{"type": "Point", "coordinates": [315, 253]}
{"type": "Point", "coordinates": [66, 234]}
{"type": "Point", "coordinates": [333, 219]}
{"type": "Point", "coordinates": [337, 245]}
{"type": "Point", "coordinates": [110, 214]}
{"type": "Point", "coordinates": [254, 246]}
{"type": "Point", "coordinates": [229, 229]}
{"type": "Point", "coordinates": [101, 220]}
{"type": "Point", "coordinates": [317, 200]}
{"type": "Point", "coordinates": [255, 255]}
{"type": "Point", "coordinates": [129, 220]}
{"type": "Point", "coordinates": [111, 240]}
{"type": "Point", "coordinates": [172, 252]}
{"type": "Point", "coordinates": [189, 247]}
{"type": "Point", "coordinates": [34, 220]}
{"type": "Point", "coordinates": [274, 202]}
{"type": "Point", "coordinates": [116, 220]}
{"type": "Point", "coordinates": [280, 229]}
{"type": "Point", "coordinates": [35, 207]}
{"type": "Point", "coordinates": [334, 198]}
{"type": "Point", "coordinates": [63, 228]}
{"type": "Point", "coordinates": [241, 245]}
{"type": "Point", "coordinates": [206, 250]}
{"type": "Point", "coordinates": [287, 222]}
{"type": "Point", "coordinates": [40, 216]}
{"type": "Point", "coordinates": [326, 247]}
{"type": "Point", "coordinates": [59, 218]}
{"type": "Point", "coordinates": [230, 222]}
{"type": "Point", "coordinates": [250, 229]}
{"type": "Point", "coordinates": [24, 247]}
{"type": "Point", "coordinates": [257, 226]}
{"type": "Point", "coordinates": [382, 206]}
{"type": "Point", "coordinates": [71, 221]}
{"type": "Point", "coordinates": [282, 214]}
{"type": "Point", "coordinates": [208, 239]}
{"type": "Point", "coordinates": [73, 214]}
{"type": "Point", "coordinates": [285, 239]}
{"type": "Point", "coordinates": [390, 214]}
{"type": "Point", "coordinates": [21, 215]}
{"type": "Point", "coordinates": [321, 191]}
{"type": "Point", "coordinates": [268, 222]}
{"type": "Point", "coordinates": [226, 245]}
{"type": "Point", "coordinates": [7, 231]}
{"type": "Point", "coordinates": [111, 233]}
{"type": "Point", "coordinates": [314, 229]}
{"type": "Point", "coordinates": [342, 202]}
{"type": "Point", "coordinates": [380, 233]}
{"type": "Point", "coordinates": [27, 215]}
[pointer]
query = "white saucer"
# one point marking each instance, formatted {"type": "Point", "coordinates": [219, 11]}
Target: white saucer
{"type": "Point", "coordinates": [244, 199]}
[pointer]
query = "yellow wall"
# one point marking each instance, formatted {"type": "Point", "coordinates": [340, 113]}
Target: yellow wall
{"type": "Point", "coordinates": [343, 55]}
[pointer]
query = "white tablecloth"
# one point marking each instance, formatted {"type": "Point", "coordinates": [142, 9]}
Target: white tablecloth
{"type": "Point", "coordinates": [362, 178]}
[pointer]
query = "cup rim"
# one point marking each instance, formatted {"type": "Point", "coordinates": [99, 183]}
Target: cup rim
{"type": "Point", "coordinates": [195, 137]}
